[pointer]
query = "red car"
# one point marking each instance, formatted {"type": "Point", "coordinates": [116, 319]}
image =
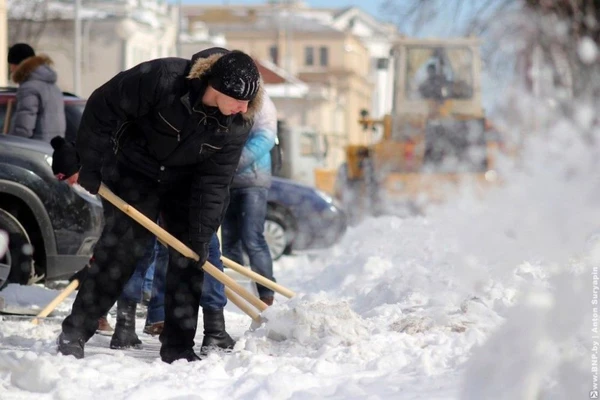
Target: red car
{"type": "Point", "coordinates": [73, 109]}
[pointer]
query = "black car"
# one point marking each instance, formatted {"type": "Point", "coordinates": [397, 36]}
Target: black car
{"type": "Point", "coordinates": [58, 225]}
{"type": "Point", "coordinates": [62, 223]}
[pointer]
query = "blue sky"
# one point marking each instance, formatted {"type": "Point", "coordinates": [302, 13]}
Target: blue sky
{"type": "Point", "coordinates": [372, 7]}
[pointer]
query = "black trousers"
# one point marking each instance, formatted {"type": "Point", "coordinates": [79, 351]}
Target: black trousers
{"type": "Point", "coordinates": [122, 244]}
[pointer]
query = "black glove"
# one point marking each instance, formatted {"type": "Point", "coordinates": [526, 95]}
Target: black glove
{"type": "Point", "coordinates": [201, 248]}
{"type": "Point", "coordinates": [65, 161]}
{"type": "Point", "coordinates": [80, 275]}
{"type": "Point", "coordinates": [90, 180]}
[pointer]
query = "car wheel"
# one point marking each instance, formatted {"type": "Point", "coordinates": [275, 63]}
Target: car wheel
{"type": "Point", "coordinates": [276, 235]}
{"type": "Point", "coordinates": [16, 266]}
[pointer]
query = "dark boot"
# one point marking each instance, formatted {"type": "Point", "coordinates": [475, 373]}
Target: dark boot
{"type": "Point", "coordinates": [215, 336]}
{"type": "Point", "coordinates": [268, 300]}
{"type": "Point", "coordinates": [70, 346]}
{"type": "Point", "coordinates": [171, 354]}
{"type": "Point", "coordinates": [125, 336]}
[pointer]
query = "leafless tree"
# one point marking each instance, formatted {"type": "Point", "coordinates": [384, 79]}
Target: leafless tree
{"type": "Point", "coordinates": [537, 31]}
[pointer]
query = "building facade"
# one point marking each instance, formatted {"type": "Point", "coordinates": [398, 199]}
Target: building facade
{"type": "Point", "coordinates": [334, 63]}
{"type": "Point", "coordinates": [115, 35]}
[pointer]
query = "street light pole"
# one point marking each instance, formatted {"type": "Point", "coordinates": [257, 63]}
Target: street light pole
{"type": "Point", "coordinates": [179, 24]}
{"type": "Point", "coordinates": [77, 48]}
{"type": "Point", "coordinates": [3, 42]}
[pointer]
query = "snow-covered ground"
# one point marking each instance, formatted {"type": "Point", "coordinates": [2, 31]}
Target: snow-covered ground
{"type": "Point", "coordinates": [381, 316]}
{"type": "Point", "coordinates": [477, 300]}
{"type": "Point", "coordinates": [482, 298]}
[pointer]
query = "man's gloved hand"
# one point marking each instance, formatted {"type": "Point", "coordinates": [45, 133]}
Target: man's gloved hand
{"type": "Point", "coordinates": [90, 180]}
{"type": "Point", "coordinates": [80, 275]}
{"type": "Point", "coordinates": [201, 248]}
{"type": "Point", "coordinates": [65, 161]}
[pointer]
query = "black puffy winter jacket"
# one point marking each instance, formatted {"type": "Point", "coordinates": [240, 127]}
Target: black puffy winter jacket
{"type": "Point", "coordinates": [152, 118]}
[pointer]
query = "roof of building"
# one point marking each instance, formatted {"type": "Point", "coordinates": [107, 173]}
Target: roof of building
{"type": "Point", "coordinates": [269, 21]}
{"type": "Point", "coordinates": [273, 74]}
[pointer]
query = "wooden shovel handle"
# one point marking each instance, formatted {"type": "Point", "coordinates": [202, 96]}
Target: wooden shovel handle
{"type": "Point", "coordinates": [247, 272]}
{"type": "Point", "coordinates": [56, 301]}
{"type": "Point", "coordinates": [242, 305]}
{"type": "Point", "coordinates": [173, 242]}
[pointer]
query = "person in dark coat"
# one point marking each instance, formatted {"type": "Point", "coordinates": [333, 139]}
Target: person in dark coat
{"type": "Point", "coordinates": [40, 108]}
{"type": "Point", "coordinates": [176, 129]}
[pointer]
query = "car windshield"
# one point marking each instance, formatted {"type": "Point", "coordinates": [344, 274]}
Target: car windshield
{"type": "Point", "coordinates": [431, 69]}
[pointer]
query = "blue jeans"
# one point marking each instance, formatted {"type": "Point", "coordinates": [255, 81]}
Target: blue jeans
{"type": "Point", "coordinates": [213, 291]}
{"type": "Point", "coordinates": [243, 229]}
{"type": "Point", "coordinates": [154, 262]}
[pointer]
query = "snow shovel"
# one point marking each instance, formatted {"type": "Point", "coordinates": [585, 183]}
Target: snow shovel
{"type": "Point", "coordinates": [232, 288]}
{"type": "Point", "coordinates": [235, 299]}
{"type": "Point", "coordinates": [56, 301]}
{"type": "Point", "coordinates": [257, 278]}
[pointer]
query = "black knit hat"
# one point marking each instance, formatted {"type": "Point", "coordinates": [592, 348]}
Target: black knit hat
{"type": "Point", "coordinates": [236, 75]}
{"type": "Point", "coordinates": [19, 52]}
{"type": "Point", "coordinates": [65, 161]}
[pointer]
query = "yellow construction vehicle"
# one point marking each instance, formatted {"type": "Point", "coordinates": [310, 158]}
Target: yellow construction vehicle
{"type": "Point", "coordinates": [436, 135]}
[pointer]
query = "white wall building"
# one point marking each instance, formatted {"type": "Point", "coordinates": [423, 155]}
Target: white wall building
{"type": "Point", "coordinates": [378, 37]}
{"type": "Point", "coordinates": [116, 35]}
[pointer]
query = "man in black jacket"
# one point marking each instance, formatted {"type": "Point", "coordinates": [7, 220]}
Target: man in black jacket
{"type": "Point", "coordinates": [175, 129]}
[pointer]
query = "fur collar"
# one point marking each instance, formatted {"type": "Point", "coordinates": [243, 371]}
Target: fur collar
{"type": "Point", "coordinates": [201, 68]}
{"type": "Point", "coordinates": [28, 65]}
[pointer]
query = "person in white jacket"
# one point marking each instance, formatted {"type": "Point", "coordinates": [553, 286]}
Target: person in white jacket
{"type": "Point", "coordinates": [243, 225]}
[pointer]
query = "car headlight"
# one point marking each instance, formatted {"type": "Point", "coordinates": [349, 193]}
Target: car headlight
{"type": "Point", "coordinates": [48, 159]}
{"type": "Point", "coordinates": [335, 204]}
{"type": "Point", "coordinates": [327, 198]}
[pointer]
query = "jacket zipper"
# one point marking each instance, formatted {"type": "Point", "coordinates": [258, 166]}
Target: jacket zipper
{"type": "Point", "coordinates": [172, 127]}
{"type": "Point", "coordinates": [208, 145]}
{"type": "Point", "coordinates": [205, 117]}
{"type": "Point", "coordinates": [117, 136]}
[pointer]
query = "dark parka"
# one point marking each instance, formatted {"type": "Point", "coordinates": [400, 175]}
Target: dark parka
{"type": "Point", "coordinates": [152, 119]}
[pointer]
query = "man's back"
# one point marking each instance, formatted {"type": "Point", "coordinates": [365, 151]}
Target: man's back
{"type": "Point", "coordinates": [40, 112]}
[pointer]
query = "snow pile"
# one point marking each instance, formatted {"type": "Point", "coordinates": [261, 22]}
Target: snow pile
{"type": "Point", "coordinates": [546, 213]}
{"type": "Point", "coordinates": [313, 321]}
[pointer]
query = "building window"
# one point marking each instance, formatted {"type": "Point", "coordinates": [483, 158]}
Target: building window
{"type": "Point", "coordinates": [382, 63]}
{"type": "Point", "coordinates": [309, 56]}
{"type": "Point", "coordinates": [324, 56]}
{"type": "Point", "coordinates": [274, 54]}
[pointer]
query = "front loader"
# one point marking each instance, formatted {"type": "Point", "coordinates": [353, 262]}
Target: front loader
{"type": "Point", "coordinates": [435, 138]}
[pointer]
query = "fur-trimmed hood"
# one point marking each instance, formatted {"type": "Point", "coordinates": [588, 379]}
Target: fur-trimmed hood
{"type": "Point", "coordinates": [200, 69]}
{"type": "Point", "coordinates": [36, 67]}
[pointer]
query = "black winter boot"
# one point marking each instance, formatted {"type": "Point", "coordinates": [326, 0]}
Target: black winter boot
{"type": "Point", "coordinates": [125, 336]}
{"type": "Point", "coordinates": [70, 346]}
{"type": "Point", "coordinates": [215, 336]}
{"type": "Point", "coordinates": [171, 354]}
